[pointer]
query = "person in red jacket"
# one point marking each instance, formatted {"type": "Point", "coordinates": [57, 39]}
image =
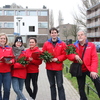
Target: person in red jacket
{"type": "Point", "coordinates": [54, 70]}
{"type": "Point", "coordinates": [5, 67]}
{"type": "Point", "coordinates": [19, 71]}
{"type": "Point", "coordinates": [32, 68]}
{"type": "Point", "coordinates": [90, 63]}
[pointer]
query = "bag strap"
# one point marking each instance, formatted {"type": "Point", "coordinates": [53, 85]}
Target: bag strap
{"type": "Point", "coordinates": [84, 50]}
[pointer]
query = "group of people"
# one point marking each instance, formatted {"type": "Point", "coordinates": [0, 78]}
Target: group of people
{"type": "Point", "coordinates": [13, 72]}
{"type": "Point", "coordinates": [16, 73]}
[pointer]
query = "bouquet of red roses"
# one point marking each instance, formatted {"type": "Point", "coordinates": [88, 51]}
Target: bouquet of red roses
{"type": "Point", "coordinates": [22, 60]}
{"type": "Point", "coordinates": [47, 57]}
{"type": "Point", "coordinates": [70, 49]}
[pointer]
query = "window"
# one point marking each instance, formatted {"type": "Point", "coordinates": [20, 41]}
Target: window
{"type": "Point", "coordinates": [11, 38]}
{"type": "Point", "coordinates": [1, 25]}
{"type": "Point", "coordinates": [9, 13]}
{"type": "Point", "coordinates": [1, 13]}
{"type": "Point", "coordinates": [43, 25]}
{"type": "Point", "coordinates": [8, 25]}
{"type": "Point", "coordinates": [23, 24]}
{"type": "Point", "coordinates": [96, 19]}
{"type": "Point", "coordinates": [42, 13]}
{"type": "Point", "coordinates": [20, 13]}
{"type": "Point", "coordinates": [32, 13]}
{"type": "Point", "coordinates": [96, 29]}
{"type": "Point", "coordinates": [96, 9]}
{"type": "Point", "coordinates": [31, 28]}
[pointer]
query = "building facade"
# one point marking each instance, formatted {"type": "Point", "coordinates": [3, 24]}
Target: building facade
{"type": "Point", "coordinates": [25, 22]}
{"type": "Point", "coordinates": [64, 33]}
{"type": "Point", "coordinates": [93, 23]}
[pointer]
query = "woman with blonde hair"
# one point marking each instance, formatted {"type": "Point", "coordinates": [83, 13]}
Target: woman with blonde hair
{"type": "Point", "coordinates": [5, 67]}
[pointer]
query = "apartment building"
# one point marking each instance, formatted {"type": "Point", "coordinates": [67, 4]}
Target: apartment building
{"type": "Point", "coordinates": [93, 23]}
{"type": "Point", "coordinates": [64, 33]}
{"type": "Point", "coordinates": [25, 22]}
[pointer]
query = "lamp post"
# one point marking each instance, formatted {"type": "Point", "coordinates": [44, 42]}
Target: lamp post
{"type": "Point", "coordinates": [19, 19]}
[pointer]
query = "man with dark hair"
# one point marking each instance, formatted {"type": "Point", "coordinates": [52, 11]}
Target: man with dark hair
{"type": "Point", "coordinates": [54, 70]}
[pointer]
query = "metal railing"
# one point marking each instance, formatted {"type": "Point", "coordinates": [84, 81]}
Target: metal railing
{"type": "Point", "coordinates": [88, 86]}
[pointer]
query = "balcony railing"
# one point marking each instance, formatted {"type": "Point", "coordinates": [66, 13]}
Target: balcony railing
{"type": "Point", "coordinates": [94, 24]}
{"type": "Point", "coordinates": [94, 14]}
{"type": "Point", "coordinates": [95, 34]}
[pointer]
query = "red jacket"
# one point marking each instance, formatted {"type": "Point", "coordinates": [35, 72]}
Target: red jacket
{"type": "Point", "coordinates": [6, 51]}
{"type": "Point", "coordinates": [58, 51]}
{"type": "Point", "coordinates": [90, 58]}
{"type": "Point", "coordinates": [33, 66]}
{"type": "Point", "coordinates": [19, 70]}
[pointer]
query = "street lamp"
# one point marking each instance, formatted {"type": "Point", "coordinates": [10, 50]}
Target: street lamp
{"type": "Point", "coordinates": [19, 19]}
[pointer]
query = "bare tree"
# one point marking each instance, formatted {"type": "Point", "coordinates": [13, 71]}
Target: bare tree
{"type": "Point", "coordinates": [51, 19]}
{"type": "Point", "coordinates": [81, 17]}
{"type": "Point", "coordinates": [74, 29]}
{"type": "Point", "coordinates": [66, 32]}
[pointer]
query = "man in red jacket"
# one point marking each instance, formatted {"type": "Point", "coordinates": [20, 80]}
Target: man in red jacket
{"type": "Point", "coordinates": [90, 64]}
{"type": "Point", "coordinates": [54, 70]}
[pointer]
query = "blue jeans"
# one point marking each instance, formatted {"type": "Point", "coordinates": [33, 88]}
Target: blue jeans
{"type": "Point", "coordinates": [5, 80]}
{"type": "Point", "coordinates": [17, 84]}
{"type": "Point", "coordinates": [56, 77]}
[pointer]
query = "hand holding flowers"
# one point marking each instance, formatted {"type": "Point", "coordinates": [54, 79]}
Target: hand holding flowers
{"type": "Point", "coordinates": [48, 57]}
{"type": "Point", "coordinates": [71, 49]}
{"type": "Point", "coordinates": [22, 60]}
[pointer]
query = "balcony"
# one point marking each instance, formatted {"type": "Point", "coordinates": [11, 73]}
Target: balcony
{"type": "Point", "coordinates": [95, 34]}
{"type": "Point", "coordinates": [93, 25]}
{"type": "Point", "coordinates": [93, 15]}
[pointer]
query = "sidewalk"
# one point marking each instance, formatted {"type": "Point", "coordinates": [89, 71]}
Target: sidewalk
{"type": "Point", "coordinates": [44, 90]}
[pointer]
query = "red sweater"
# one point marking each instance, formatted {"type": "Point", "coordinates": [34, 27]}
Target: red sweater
{"type": "Point", "coordinates": [19, 70]}
{"type": "Point", "coordinates": [33, 66]}
{"type": "Point", "coordinates": [58, 51]}
{"type": "Point", "coordinates": [90, 58]}
{"type": "Point", "coordinates": [6, 51]}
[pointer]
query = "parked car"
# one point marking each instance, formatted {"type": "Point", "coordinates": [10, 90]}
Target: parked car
{"type": "Point", "coordinates": [97, 44]}
{"type": "Point", "coordinates": [98, 48]}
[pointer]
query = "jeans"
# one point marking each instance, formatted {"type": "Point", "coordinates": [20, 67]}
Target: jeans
{"type": "Point", "coordinates": [17, 84]}
{"type": "Point", "coordinates": [34, 78]}
{"type": "Point", "coordinates": [5, 80]}
{"type": "Point", "coordinates": [81, 85]}
{"type": "Point", "coordinates": [56, 77]}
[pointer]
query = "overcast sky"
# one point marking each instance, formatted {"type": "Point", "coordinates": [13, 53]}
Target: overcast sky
{"type": "Point", "coordinates": [67, 7]}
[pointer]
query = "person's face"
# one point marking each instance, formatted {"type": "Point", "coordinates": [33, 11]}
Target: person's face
{"type": "Point", "coordinates": [18, 44]}
{"type": "Point", "coordinates": [32, 43]}
{"type": "Point", "coordinates": [3, 40]}
{"type": "Point", "coordinates": [54, 34]}
{"type": "Point", "coordinates": [81, 36]}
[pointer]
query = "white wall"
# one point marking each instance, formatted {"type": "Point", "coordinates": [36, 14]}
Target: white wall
{"type": "Point", "coordinates": [28, 21]}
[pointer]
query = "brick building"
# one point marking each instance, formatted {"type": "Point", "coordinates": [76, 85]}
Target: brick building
{"type": "Point", "coordinates": [14, 20]}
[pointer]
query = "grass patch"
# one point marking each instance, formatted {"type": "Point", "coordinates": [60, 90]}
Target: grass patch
{"type": "Point", "coordinates": [92, 95]}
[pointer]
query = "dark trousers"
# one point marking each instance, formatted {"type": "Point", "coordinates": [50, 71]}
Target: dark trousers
{"type": "Point", "coordinates": [56, 77]}
{"type": "Point", "coordinates": [34, 78]}
{"type": "Point", "coordinates": [81, 85]}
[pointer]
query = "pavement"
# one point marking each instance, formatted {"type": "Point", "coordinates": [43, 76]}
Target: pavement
{"type": "Point", "coordinates": [44, 88]}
